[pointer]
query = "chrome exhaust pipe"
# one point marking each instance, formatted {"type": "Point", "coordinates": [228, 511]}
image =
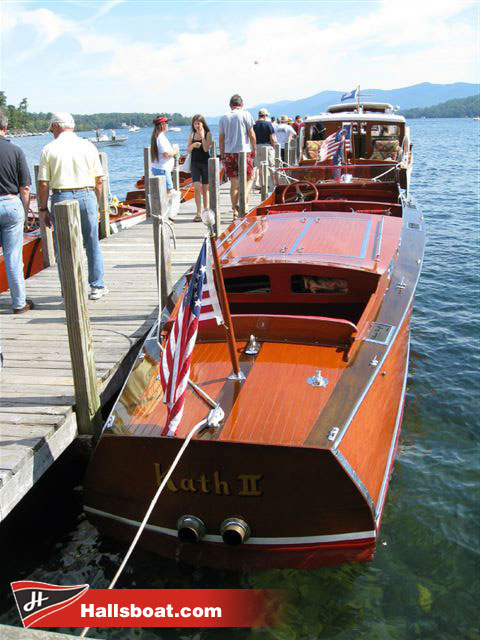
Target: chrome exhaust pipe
{"type": "Point", "coordinates": [234, 531]}
{"type": "Point", "coordinates": [190, 529]}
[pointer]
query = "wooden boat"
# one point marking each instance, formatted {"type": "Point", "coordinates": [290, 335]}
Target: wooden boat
{"type": "Point", "coordinates": [122, 216]}
{"type": "Point", "coordinates": [320, 280]}
{"type": "Point", "coordinates": [379, 136]}
{"type": "Point", "coordinates": [187, 191]}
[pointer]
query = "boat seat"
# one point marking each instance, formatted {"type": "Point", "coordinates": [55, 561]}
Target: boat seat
{"type": "Point", "coordinates": [385, 150]}
{"type": "Point", "coordinates": [312, 147]}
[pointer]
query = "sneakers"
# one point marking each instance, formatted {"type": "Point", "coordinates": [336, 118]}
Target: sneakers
{"type": "Point", "coordinates": [96, 294]}
{"type": "Point", "coordinates": [28, 306]}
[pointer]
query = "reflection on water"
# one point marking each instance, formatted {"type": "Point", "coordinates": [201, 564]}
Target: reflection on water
{"type": "Point", "coordinates": [423, 582]}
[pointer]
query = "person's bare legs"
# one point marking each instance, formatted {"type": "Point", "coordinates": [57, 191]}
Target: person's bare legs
{"type": "Point", "coordinates": [234, 195]}
{"type": "Point", "coordinates": [205, 196]}
{"type": "Point", "coordinates": [198, 199]}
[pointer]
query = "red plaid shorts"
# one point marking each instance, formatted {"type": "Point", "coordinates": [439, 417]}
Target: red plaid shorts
{"type": "Point", "coordinates": [230, 162]}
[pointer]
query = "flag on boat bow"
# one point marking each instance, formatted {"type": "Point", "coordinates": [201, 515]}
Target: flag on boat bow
{"type": "Point", "coordinates": [200, 304]}
{"type": "Point", "coordinates": [334, 146]}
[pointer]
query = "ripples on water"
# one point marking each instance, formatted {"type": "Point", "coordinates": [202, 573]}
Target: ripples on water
{"type": "Point", "coordinates": [424, 580]}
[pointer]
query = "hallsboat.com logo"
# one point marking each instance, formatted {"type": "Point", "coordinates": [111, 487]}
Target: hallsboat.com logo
{"type": "Point", "coordinates": [36, 600]}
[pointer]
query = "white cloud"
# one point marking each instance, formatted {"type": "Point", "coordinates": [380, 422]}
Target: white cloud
{"type": "Point", "coordinates": [198, 70]}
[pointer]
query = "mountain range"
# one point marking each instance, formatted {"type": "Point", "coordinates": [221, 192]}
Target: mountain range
{"type": "Point", "coordinates": [424, 94]}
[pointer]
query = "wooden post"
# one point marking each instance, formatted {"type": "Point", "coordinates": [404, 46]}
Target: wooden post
{"type": "Point", "coordinates": [293, 151]}
{"type": "Point", "coordinates": [242, 183]}
{"type": "Point", "coordinates": [262, 152]}
{"type": "Point", "coordinates": [175, 174]}
{"type": "Point", "coordinates": [161, 236]}
{"type": "Point", "coordinates": [74, 285]}
{"type": "Point", "coordinates": [214, 191]}
{"type": "Point", "coordinates": [213, 149]}
{"type": "Point", "coordinates": [104, 200]}
{"type": "Point", "coordinates": [147, 172]}
{"type": "Point", "coordinates": [278, 156]}
{"type": "Point", "coordinates": [46, 234]}
{"type": "Point", "coordinates": [264, 180]}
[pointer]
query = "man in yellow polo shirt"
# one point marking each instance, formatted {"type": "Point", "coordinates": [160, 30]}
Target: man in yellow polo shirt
{"type": "Point", "coordinates": [70, 166]}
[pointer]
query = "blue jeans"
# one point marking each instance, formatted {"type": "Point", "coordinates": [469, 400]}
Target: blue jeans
{"type": "Point", "coordinates": [12, 218]}
{"type": "Point", "coordinates": [87, 202]}
{"type": "Point", "coordinates": [167, 174]}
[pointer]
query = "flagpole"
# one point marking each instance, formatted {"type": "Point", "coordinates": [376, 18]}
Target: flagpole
{"type": "Point", "coordinates": [222, 295]}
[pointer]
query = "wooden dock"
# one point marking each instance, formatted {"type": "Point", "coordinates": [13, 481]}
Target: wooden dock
{"type": "Point", "coordinates": [37, 417]}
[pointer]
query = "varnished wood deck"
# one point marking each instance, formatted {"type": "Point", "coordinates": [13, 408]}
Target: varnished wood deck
{"type": "Point", "coordinates": [37, 419]}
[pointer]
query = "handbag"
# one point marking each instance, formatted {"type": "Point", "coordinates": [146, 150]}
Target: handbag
{"type": "Point", "coordinates": [186, 167]}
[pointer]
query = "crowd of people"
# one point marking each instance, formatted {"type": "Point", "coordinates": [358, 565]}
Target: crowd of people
{"type": "Point", "coordinates": [70, 169]}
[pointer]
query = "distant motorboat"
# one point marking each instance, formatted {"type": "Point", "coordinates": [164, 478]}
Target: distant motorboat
{"type": "Point", "coordinates": [134, 128]}
{"type": "Point", "coordinates": [102, 140]}
{"type": "Point", "coordinates": [476, 117]}
{"type": "Point", "coordinates": [175, 129]}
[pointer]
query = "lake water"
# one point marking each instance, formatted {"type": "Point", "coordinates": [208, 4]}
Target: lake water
{"type": "Point", "coordinates": [424, 580]}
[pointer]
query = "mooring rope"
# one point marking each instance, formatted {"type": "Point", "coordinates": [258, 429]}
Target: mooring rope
{"type": "Point", "coordinates": [151, 507]}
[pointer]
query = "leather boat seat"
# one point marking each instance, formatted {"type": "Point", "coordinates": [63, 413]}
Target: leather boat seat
{"type": "Point", "coordinates": [312, 147]}
{"type": "Point", "coordinates": [385, 150]}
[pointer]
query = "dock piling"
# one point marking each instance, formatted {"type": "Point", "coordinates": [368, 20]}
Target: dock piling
{"type": "Point", "coordinates": [46, 234]}
{"type": "Point", "coordinates": [242, 183]}
{"type": "Point", "coordinates": [74, 285]}
{"type": "Point", "coordinates": [104, 199]}
{"type": "Point", "coordinates": [147, 174]}
{"type": "Point", "coordinates": [214, 192]}
{"type": "Point", "coordinates": [176, 174]}
{"type": "Point", "coordinates": [161, 236]}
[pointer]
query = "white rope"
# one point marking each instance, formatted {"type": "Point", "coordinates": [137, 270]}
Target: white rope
{"type": "Point", "coordinates": [385, 173]}
{"type": "Point", "coordinates": [151, 507]}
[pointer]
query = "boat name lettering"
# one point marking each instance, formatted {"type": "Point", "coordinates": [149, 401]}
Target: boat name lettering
{"type": "Point", "coordinates": [246, 485]}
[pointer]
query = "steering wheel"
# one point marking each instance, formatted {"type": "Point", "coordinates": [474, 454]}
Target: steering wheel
{"type": "Point", "coordinates": [305, 191]}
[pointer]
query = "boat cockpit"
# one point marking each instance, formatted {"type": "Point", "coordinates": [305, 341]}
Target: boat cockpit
{"type": "Point", "coordinates": [377, 133]}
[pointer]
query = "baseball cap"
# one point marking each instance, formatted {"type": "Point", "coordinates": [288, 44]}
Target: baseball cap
{"type": "Point", "coordinates": [161, 120]}
{"type": "Point", "coordinates": [263, 112]}
{"type": "Point", "coordinates": [63, 119]}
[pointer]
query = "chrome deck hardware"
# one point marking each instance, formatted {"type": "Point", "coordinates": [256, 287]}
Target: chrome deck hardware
{"type": "Point", "coordinates": [317, 380]}
{"type": "Point", "coordinates": [332, 434]}
{"type": "Point", "coordinates": [253, 347]}
{"type": "Point", "coordinates": [374, 361]}
{"type": "Point", "coordinates": [215, 416]}
{"type": "Point", "coordinates": [401, 285]}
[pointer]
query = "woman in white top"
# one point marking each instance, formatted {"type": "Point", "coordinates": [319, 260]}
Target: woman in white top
{"type": "Point", "coordinates": [162, 151]}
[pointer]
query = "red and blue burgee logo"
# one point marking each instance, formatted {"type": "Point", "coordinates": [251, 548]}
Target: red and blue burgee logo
{"type": "Point", "coordinates": [36, 600]}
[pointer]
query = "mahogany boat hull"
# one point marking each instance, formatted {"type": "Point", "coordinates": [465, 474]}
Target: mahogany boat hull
{"type": "Point", "coordinates": [305, 452]}
{"type": "Point", "coordinates": [32, 259]}
{"type": "Point", "coordinates": [306, 507]}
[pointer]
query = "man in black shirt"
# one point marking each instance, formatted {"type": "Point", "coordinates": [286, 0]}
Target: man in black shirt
{"type": "Point", "coordinates": [14, 202]}
{"type": "Point", "coordinates": [265, 134]}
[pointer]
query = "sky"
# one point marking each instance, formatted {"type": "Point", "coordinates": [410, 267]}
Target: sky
{"type": "Point", "coordinates": [191, 56]}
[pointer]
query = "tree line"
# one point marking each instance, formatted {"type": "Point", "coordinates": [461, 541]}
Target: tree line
{"type": "Point", "coordinates": [19, 118]}
{"type": "Point", "coordinates": [458, 108]}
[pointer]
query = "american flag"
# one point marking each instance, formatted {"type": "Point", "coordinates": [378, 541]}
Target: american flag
{"type": "Point", "coordinates": [333, 146]}
{"type": "Point", "coordinates": [350, 95]}
{"type": "Point", "coordinates": [200, 304]}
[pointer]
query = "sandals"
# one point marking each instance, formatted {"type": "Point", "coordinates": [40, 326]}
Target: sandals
{"type": "Point", "coordinates": [197, 218]}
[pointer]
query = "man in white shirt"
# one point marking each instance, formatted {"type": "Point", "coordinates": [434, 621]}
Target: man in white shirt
{"type": "Point", "coordinates": [236, 134]}
{"type": "Point", "coordinates": [284, 133]}
{"type": "Point", "coordinates": [70, 166]}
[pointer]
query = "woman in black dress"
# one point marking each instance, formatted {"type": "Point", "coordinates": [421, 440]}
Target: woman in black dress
{"type": "Point", "coordinates": [199, 142]}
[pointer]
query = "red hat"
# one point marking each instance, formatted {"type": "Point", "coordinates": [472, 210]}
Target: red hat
{"type": "Point", "coordinates": [161, 120]}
